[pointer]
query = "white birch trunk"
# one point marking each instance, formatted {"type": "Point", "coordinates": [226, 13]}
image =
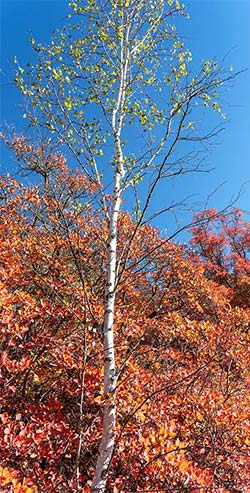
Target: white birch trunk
{"type": "Point", "coordinates": [109, 419]}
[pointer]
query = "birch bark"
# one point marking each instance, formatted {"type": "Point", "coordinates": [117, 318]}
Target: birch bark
{"type": "Point", "coordinates": [109, 419]}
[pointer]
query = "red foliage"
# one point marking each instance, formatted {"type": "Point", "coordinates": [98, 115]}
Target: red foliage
{"type": "Point", "coordinates": [223, 242]}
{"type": "Point", "coordinates": [181, 337]}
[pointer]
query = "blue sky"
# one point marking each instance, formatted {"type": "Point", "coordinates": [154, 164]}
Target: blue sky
{"type": "Point", "coordinates": [215, 28]}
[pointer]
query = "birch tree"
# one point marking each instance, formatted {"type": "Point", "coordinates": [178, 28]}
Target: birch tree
{"type": "Point", "coordinates": [115, 88]}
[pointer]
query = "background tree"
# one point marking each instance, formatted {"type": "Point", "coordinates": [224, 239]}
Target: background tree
{"type": "Point", "coordinates": [117, 75]}
{"type": "Point", "coordinates": [222, 241]}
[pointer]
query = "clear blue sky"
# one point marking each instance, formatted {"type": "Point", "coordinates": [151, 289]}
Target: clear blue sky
{"type": "Point", "coordinates": [215, 27]}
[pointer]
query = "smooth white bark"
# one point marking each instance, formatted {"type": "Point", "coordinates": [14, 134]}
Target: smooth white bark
{"type": "Point", "coordinates": [109, 418]}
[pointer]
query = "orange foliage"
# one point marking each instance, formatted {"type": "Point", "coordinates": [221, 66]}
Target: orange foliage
{"type": "Point", "coordinates": [181, 335]}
